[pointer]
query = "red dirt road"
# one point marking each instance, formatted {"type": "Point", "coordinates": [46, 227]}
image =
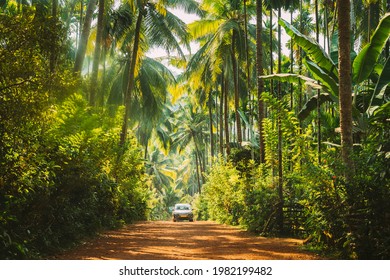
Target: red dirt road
{"type": "Point", "coordinates": [186, 241]}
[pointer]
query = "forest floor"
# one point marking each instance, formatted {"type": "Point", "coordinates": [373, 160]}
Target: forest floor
{"type": "Point", "coordinates": [199, 240]}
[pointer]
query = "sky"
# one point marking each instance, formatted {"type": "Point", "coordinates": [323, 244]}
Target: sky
{"type": "Point", "coordinates": [189, 18]}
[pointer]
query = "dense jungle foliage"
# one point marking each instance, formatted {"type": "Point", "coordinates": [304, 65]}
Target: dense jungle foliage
{"type": "Point", "coordinates": [63, 175]}
{"type": "Point", "coordinates": [270, 115]}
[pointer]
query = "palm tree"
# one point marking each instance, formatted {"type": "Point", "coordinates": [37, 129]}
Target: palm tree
{"type": "Point", "coordinates": [96, 57]}
{"type": "Point", "coordinates": [162, 29]}
{"type": "Point", "coordinates": [260, 72]}
{"type": "Point", "coordinates": [149, 107]}
{"type": "Point", "coordinates": [54, 13]}
{"type": "Point", "coordinates": [80, 55]}
{"type": "Point", "coordinates": [345, 85]}
{"type": "Point", "coordinates": [161, 170]}
{"type": "Point", "coordinates": [190, 131]}
{"type": "Point", "coordinates": [222, 35]}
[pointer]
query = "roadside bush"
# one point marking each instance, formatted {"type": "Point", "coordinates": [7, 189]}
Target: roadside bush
{"type": "Point", "coordinates": [70, 180]}
{"type": "Point", "coordinates": [223, 194]}
{"type": "Point", "coordinates": [260, 202]}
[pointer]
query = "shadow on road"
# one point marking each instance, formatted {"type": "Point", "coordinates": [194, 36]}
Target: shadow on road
{"type": "Point", "coordinates": [186, 241]}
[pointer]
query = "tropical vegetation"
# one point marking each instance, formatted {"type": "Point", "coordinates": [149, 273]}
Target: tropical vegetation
{"type": "Point", "coordinates": [269, 115]}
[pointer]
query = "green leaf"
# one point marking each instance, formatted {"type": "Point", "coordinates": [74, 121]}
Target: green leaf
{"type": "Point", "coordinates": [381, 85]}
{"type": "Point", "coordinates": [367, 58]}
{"type": "Point", "coordinates": [313, 50]}
{"type": "Point", "coordinates": [243, 117]}
{"type": "Point", "coordinates": [311, 105]}
{"type": "Point", "coordinates": [292, 78]}
{"type": "Point", "coordinates": [324, 78]}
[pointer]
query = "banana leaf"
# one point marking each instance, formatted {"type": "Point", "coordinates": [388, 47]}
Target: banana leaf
{"type": "Point", "coordinates": [311, 105]}
{"type": "Point", "coordinates": [292, 79]}
{"type": "Point", "coordinates": [325, 79]}
{"type": "Point", "coordinates": [368, 57]}
{"type": "Point", "coordinates": [381, 85]}
{"type": "Point", "coordinates": [313, 50]}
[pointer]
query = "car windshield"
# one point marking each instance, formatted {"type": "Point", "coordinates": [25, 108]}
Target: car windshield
{"type": "Point", "coordinates": [182, 207]}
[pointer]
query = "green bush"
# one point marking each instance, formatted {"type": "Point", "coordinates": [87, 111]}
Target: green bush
{"type": "Point", "coordinates": [223, 193]}
{"type": "Point", "coordinates": [70, 182]}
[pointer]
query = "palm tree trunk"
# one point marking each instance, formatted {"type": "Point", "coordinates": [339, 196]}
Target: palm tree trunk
{"type": "Point", "coordinates": [53, 54]}
{"type": "Point", "coordinates": [280, 139]}
{"type": "Point", "coordinates": [96, 57]}
{"type": "Point", "coordinates": [291, 64]}
{"type": "Point", "coordinates": [82, 48]}
{"type": "Point", "coordinates": [130, 85]}
{"type": "Point", "coordinates": [318, 91]}
{"type": "Point", "coordinates": [197, 171]}
{"type": "Point", "coordinates": [270, 52]}
{"type": "Point", "coordinates": [345, 94]}
{"type": "Point", "coordinates": [212, 148]}
{"type": "Point", "coordinates": [387, 48]}
{"type": "Point", "coordinates": [221, 115]}
{"type": "Point", "coordinates": [248, 82]}
{"type": "Point", "coordinates": [236, 89]}
{"type": "Point", "coordinates": [260, 72]}
{"type": "Point", "coordinates": [70, 15]}
{"type": "Point", "coordinates": [226, 117]}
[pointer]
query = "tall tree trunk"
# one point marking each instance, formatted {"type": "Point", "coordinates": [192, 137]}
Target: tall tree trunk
{"type": "Point", "coordinates": [318, 91]}
{"type": "Point", "coordinates": [130, 85]}
{"type": "Point", "coordinates": [226, 116]}
{"type": "Point", "coordinates": [248, 80]}
{"type": "Point", "coordinates": [96, 57]}
{"type": "Point", "coordinates": [345, 94]}
{"type": "Point", "coordinates": [260, 72]}
{"type": "Point", "coordinates": [221, 104]}
{"type": "Point", "coordinates": [271, 41]}
{"type": "Point", "coordinates": [291, 64]}
{"type": "Point", "coordinates": [70, 14]}
{"type": "Point", "coordinates": [236, 88]}
{"type": "Point", "coordinates": [212, 148]}
{"type": "Point", "coordinates": [53, 54]}
{"type": "Point", "coordinates": [82, 48]}
{"type": "Point", "coordinates": [280, 139]}
{"type": "Point", "coordinates": [197, 172]}
{"type": "Point", "coordinates": [80, 28]}
{"type": "Point", "coordinates": [387, 48]}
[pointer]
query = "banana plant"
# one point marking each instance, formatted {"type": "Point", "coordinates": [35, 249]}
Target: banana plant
{"type": "Point", "coordinates": [324, 70]}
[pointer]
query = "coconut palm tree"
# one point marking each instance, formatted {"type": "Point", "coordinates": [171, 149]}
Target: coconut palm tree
{"type": "Point", "coordinates": [82, 48]}
{"type": "Point", "coordinates": [222, 35]}
{"type": "Point", "coordinates": [345, 85]}
{"type": "Point", "coordinates": [156, 26]}
{"type": "Point", "coordinates": [260, 72]}
{"type": "Point", "coordinates": [148, 106]}
{"type": "Point", "coordinates": [161, 170]}
{"type": "Point", "coordinates": [97, 53]}
{"type": "Point", "coordinates": [190, 131]}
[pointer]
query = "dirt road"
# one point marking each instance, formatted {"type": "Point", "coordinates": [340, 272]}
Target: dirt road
{"type": "Point", "coordinates": [186, 241]}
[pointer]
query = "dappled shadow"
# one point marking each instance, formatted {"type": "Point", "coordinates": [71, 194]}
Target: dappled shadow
{"type": "Point", "coordinates": [186, 241]}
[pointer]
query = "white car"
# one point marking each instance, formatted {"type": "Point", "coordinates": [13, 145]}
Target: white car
{"type": "Point", "coordinates": [182, 211]}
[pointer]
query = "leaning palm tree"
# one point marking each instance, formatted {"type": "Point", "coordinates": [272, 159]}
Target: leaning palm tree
{"type": "Point", "coordinates": [148, 105]}
{"type": "Point", "coordinates": [155, 25]}
{"type": "Point", "coordinates": [82, 48]}
{"type": "Point", "coordinates": [97, 53]}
